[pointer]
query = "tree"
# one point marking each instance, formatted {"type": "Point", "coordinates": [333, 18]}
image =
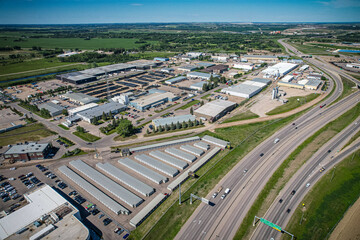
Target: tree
{"type": "Point", "coordinates": [190, 123]}
{"type": "Point", "coordinates": [202, 103]}
{"type": "Point", "coordinates": [184, 125]}
{"type": "Point", "coordinates": [167, 128]}
{"type": "Point", "coordinates": [103, 116]}
{"type": "Point", "coordinates": [172, 126]}
{"type": "Point", "coordinates": [147, 131]}
{"type": "Point", "coordinates": [65, 112]}
{"type": "Point", "coordinates": [110, 115]}
{"type": "Point", "coordinates": [80, 129]}
{"type": "Point", "coordinates": [125, 128]}
{"type": "Point", "coordinates": [178, 125]}
{"type": "Point", "coordinates": [201, 123]}
{"type": "Point", "coordinates": [191, 111]}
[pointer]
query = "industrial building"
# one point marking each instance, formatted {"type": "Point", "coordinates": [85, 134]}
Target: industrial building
{"type": "Point", "coordinates": [205, 76]}
{"type": "Point", "coordinates": [279, 69]}
{"type": "Point", "coordinates": [194, 54]}
{"type": "Point", "coordinates": [313, 84]}
{"type": "Point", "coordinates": [287, 78]}
{"type": "Point", "coordinates": [167, 70]}
{"type": "Point", "coordinates": [290, 84]}
{"type": "Point", "coordinates": [267, 58]}
{"type": "Point", "coordinates": [73, 111]}
{"type": "Point", "coordinates": [53, 108]}
{"type": "Point", "coordinates": [47, 205]}
{"type": "Point", "coordinates": [353, 65]}
{"type": "Point", "coordinates": [202, 145]}
{"type": "Point", "coordinates": [244, 66]}
{"type": "Point", "coordinates": [204, 64]}
{"type": "Point", "coordinates": [316, 76]}
{"type": "Point", "coordinates": [80, 98]}
{"type": "Point", "coordinates": [93, 191]}
{"type": "Point", "coordinates": [126, 179]}
{"type": "Point", "coordinates": [106, 183]}
{"type": "Point", "coordinates": [169, 159]}
{"type": "Point", "coordinates": [175, 80]}
{"type": "Point", "coordinates": [161, 59]}
{"type": "Point", "coordinates": [215, 109]}
{"type": "Point", "coordinates": [216, 141]}
{"type": "Point", "coordinates": [217, 69]}
{"type": "Point", "coordinates": [304, 67]}
{"type": "Point", "coordinates": [76, 78]}
{"type": "Point", "coordinates": [187, 68]}
{"type": "Point", "coordinates": [193, 150]}
{"type": "Point", "coordinates": [220, 58]}
{"type": "Point", "coordinates": [172, 120]}
{"type": "Point", "coordinates": [153, 100]}
{"type": "Point", "coordinates": [27, 152]}
{"type": "Point", "coordinates": [181, 154]}
{"type": "Point", "coordinates": [198, 86]}
{"type": "Point", "coordinates": [159, 166]}
{"type": "Point", "coordinates": [247, 89]}
{"type": "Point", "coordinates": [143, 171]}
{"type": "Point", "coordinates": [97, 112]}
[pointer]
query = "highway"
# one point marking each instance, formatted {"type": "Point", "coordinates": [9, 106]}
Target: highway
{"type": "Point", "coordinates": [308, 173]}
{"type": "Point", "coordinates": [223, 219]}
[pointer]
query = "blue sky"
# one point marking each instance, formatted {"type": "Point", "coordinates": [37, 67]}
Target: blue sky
{"type": "Point", "coordinates": [118, 11]}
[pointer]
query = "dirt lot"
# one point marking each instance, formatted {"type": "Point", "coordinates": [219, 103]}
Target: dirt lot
{"type": "Point", "coordinates": [348, 228]}
{"type": "Point", "coordinates": [8, 117]}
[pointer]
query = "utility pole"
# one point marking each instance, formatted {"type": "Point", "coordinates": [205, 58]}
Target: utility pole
{"type": "Point", "coordinates": [179, 193]}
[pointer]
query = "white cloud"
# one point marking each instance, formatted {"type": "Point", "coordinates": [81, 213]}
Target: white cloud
{"type": "Point", "coordinates": [341, 3]}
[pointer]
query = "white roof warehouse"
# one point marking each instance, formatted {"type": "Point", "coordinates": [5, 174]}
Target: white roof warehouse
{"type": "Point", "coordinates": [215, 109]}
{"type": "Point", "coordinates": [97, 112]}
{"type": "Point", "coordinates": [169, 120]}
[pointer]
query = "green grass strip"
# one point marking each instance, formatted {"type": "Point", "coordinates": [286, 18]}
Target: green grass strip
{"type": "Point", "coordinates": [294, 102]}
{"type": "Point", "coordinates": [188, 105]}
{"type": "Point", "coordinates": [86, 136]}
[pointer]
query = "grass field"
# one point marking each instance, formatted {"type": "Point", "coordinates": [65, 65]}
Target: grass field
{"type": "Point", "coordinates": [171, 222]}
{"type": "Point", "coordinates": [86, 136]}
{"type": "Point", "coordinates": [72, 43]}
{"type": "Point", "coordinates": [327, 202]}
{"type": "Point", "coordinates": [311, 49]}
{"type": "Point", "coordinates": [352, 139]}
{"type": "Point", "coordinates": [63, 127]}
{"type": "Point", "coordinates": [242, 116]}
{"type": "Point", "coordinates": [206, 96]}
{"type": "Point", "coordinates": [120, 138]}
{"type": "Point", "coordinates": [33, 132]}
{"type": "Point", "coordinates": [159, 111]}
{"type": "Point", "coordinates": [295, 160]}
{"type": "Point", "coordinates": [293, 103]}
{"type": "Point", "coordinates": [192, 103]}
{"type": "Point", "coordinates": [348, 88]}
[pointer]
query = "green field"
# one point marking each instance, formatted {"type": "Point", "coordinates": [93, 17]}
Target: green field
{"type": "Point", "coordinates": [72, 43]}
{"type": "Point", "coordinates": [348, 88]}
{"type": "Point", "coordinates": [311, 49]}
{"type": "Point", "coordinates": [86, 136]}
{"type": "Point", "coordinates": [293, 103]}
{"type": "Point", "coordinates": [188, 105]}
{"type": "Point", "coordinates": [33, 132]}
{"type": "Point", "coordinates": [242, 116]}
{"type": "Point", "coordinates": [328, 201]}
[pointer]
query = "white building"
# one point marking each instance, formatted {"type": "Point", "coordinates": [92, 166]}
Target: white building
{"type": "Point", "coordinates": [73, 111]}
{"type": "Point", "coordinates": [194, 54]}
{"type": "Point", "coordinates": [220, 58]}
{"type": "Point", "coordinates": [122, 98]}
{"type": "Point", "coordinates": [287, 78]}
{"type": "Point", "coordinates": [304, 67]}
{"type": "Point", "coordinates": [353, 65]}
{"type": "Point", "coordinates": [244, 66]}
{"type": "Point", "coordinates": [279, 69]}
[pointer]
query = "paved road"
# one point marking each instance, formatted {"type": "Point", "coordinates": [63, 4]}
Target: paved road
{"type": "Point", "coordinates": [223, 219]}
{"type": "Point", "coordinates": [309, 173]}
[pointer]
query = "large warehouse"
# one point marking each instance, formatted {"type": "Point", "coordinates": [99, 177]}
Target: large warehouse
{"type": "Point", "coordinates": [53, 108]}
{"type": "Point", "coordinates": [152, 100]}
{"type": "Point", "coordinates": [98, 111]}
{"type": "Point", "coordinates": [215, 109]}
{"type": "Point", "coordinates": [172, 120]}
{"type": "Point", "coordinates": [80, 98]}
{"type": "Point", "coordinates": [205, 76]}
{"type": "Point", "coordinates": [247, 89]}
{"type": "Point", "coordinates": [76, 78]}
{"type": "Point", "coordinates": [279, 69]}
{"type": "Point", "coordinates": [175, 80]}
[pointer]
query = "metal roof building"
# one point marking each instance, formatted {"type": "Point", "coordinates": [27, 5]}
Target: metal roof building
{"type": "Point", "coordinates": [142, 170]}
{"type": "Point", "coordinates": [53, 108]}
{"type": "Point", "coordinates": [169, 159]}
{"type": "Point", "coordinates": [147, 210]}
{"type": "Point", "coordinates": [126, 179]}
{"type": "Point", "coordinates": [187, 68]}
{"type": "Point", "coordinates": [96, 112]}
{"type": "Point", "coordinates": [205, 64]}
{"type": "Point", "coordinates": [164, 144]}
{"type": "Point", "coordinates": [93, 71]}
{"type": "Point", "coordinates": [313, 84]}
{"type": "Point", "coordinates": [279, 69]}
{"type": "Point", "coordinates": [152, 100]}
{"type": "Point", "coordinates": [262, 80]}
{"type": "Point", "coordinates": [169, 120]}
{"type": "Point", "coordinates": [290, 84]}
{"type": "Point", "coordinates": [93, 191]}
{"type": "Point", "coordinates": [201, 75]}
{"type": "Point", "coordinates": [202, 145]}
{"type": "Point", "coordinates": [73, 111]}
{"type": "Point", "coordinates": [193, 150]}
{"type": "Point", "coordinates": [76, 78]}
{"type": "Point", "coordinates": [174, 184]}
{"type": "Point", "coordinates": [181, 154]}
{"type": "Point", "coordinates": [242, 90]}
{"type": "Point", "coordinates": [120, 192]}
{"type": "Point", "coordinates": [218, 142]}
{"type": "Point", "coordinates": [160, 166]}
{"type": "Point", "coordinates": [175, 80]}
{"type": "Point", "coordinates": [80, 98]}
{"type": "Point", "coordinates": [215, 109]}
{"type": "Point", "coordinates": [198, 86]}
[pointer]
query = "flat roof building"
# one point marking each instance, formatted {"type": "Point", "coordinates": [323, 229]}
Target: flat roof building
{"type": "Point", "coordinates": [80, 98]}
{"type": "Point", "coordinates": [172, 120]}
{"type": "Point", "coordinates": [53, 108]}
{"type": "Point", "coordinates": [247, 89]}
{"type": "Point", "coordinates": [215, 109]}
{"type": "Point", "coordinates": [187, 68]}
{"type": "Point", "coordinates": [220, 68]}
{"type": "Point", "coordinates": [175, 80]}
{"type": "Point", "coordinates": [73, 111]}
{"type": "Point", "coordinates": [76, 78]}
{"type": "Point", "coordinates": [204, 64]}
{"type": "Point", "coordinates": [279, 69]}
{"type": "Point", "coordinates": [216, 141]}
{"type": "Point", "coordinates": [244, 66]}
{"type": "Point", "coordinates": [161, 59]}
{"type": "Point", "coordinates": [153, 100]}
{"type": "Point", "coordinates": [197, 86]}
{"type": "Point", "coordinates": [27, 152]}
{"type": "Point", "coordinates": [313, 84]}
{"type": "Point", "coordinates": [287, 78]}
{"type": "Point", "coordinates": [291, 85]}
{"type": "Point", "coordinates": [167, 70]}
{"type": "Point", "coordinates": [260, 57]}
{"type": "Point", "coordinates": [97, 112]}
{"type": "Point", "coordinates": [205, 76]}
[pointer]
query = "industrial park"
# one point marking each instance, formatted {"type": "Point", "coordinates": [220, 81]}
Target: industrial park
{"type": "Point", "coordinates": [179, 130]}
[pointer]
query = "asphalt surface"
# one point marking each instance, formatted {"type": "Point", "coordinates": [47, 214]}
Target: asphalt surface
{"type": "Point", "coordinates": [222, 220]}
{"type": "Point", "coordinates": [309, 173]}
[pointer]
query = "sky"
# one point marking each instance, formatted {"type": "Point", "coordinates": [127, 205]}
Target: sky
{"type": "Point", "coordinates": [144, 11]}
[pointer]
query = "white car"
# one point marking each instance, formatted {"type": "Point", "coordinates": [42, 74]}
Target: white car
{"type": "Point", "coordinates": [223, 196]}
{"type": "Point", "coordinates": [308, 185]}
{"type": "Point", "coordinates": [214, 195]}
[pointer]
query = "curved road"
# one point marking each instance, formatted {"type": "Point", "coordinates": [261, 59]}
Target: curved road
{"type": "Point", "coordinates": [223, 219]}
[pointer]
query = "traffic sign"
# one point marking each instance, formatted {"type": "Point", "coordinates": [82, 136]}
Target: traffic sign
{"type": "Point", "coordinates": [270, 224]}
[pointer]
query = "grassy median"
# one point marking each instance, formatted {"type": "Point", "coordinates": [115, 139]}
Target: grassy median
{"type": "Point", "coordinates": [242, 116]}
{"type": "Point", "coordinates": [86, 136]}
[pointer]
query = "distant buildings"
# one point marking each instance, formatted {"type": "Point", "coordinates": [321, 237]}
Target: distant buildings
{"type": "Point", "coordinates": [353, 65]}
{"type": "Point", "coordinates": [220, 58]}
{"type": "Point", "coordinates": [175, 80]}
{"type": "Point", "coordinates": [80, 98]}
{"type": "Point", "coordinates": [167, 70]}
{"type": "Point", "coordinates": [161, 59]}
{"type": "Point", "coordinates": [27, 152]}
{"type": "Point", "coordinates": [244, 66]}
{"type": "Point", "coordinates": [217, 69]}
{"type": "Point", "coordinates": [187, 68]}
{"type": "Point", "coordinates": [205, 76]}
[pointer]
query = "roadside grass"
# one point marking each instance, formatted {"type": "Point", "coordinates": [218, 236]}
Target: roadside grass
{"type": "Point", "coordinates": [172, 131]}
{"type": "Point", "coordinates": [352, 139]}
{"type": "Point", "coordinates": [188, 105]}
{"type": "Point", "coordinates": [328, 200]}
{"type": "Point", "coordinates": [347, 88]}
{"type": "Point", "coordinates": [293, 103]}
{"type": "Point", "coordinates": [120, 138]}
{"type": "Point", "coordinates": [242, 116]}
{"type": "Point", "coordinates": [66, 141]}
{"type": "Point", "coordinates": [206, 96]}
{"type": "Point", "coordinates": [86, 136]}
{"type": "Point", "coordinates": [289, 167]}
{"type": "Point", "coordinates": [63, 127]}
{"type": "Point", "coordinates": [72, 43]}
{"type": "Point", "coordinates": [151, 141]}
{"type": "Point", "coordinates": [219, 90]}
{"type": "Point", "coordinates": [143, 124]}
{"type": "Point", "coordinates": [73, 153]}
{"type": "Point", "coordinates": [244, 138]}
{"type": "Point", "coordinates": [31, 132]}
{"type": "Point", "coordinates": [159, 111]}
{"type": "Point", "coordinates": [310, 49]}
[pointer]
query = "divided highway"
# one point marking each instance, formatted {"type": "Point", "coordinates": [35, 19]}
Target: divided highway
{"type": "Point", "coordinates": [249, 176]}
